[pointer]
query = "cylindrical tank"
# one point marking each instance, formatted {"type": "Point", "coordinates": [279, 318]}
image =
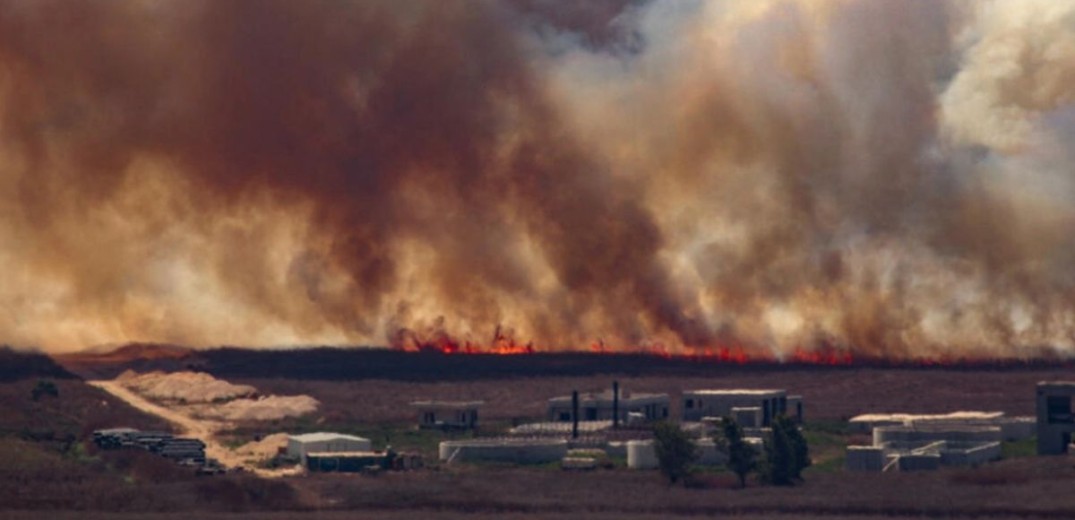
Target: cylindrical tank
{"type": "Point", "coordinates": [641, 455]}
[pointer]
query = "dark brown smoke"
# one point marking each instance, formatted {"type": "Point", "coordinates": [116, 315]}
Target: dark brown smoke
{"type": "Point", "coordinates": [666, 175]}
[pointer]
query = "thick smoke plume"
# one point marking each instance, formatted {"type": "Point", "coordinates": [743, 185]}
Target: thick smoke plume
{"type": "Point", "coordinates": [887, 178]}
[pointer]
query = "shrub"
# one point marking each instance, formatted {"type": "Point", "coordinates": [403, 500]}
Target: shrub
{"type": "Point", "coordinates": [44, 387]}
{"type": "Point", "coordinates": [741, 456]}
{"type": "Point", "coordinates": [786, 454]}
{"type": "Point", "coordinates": [676, 452]}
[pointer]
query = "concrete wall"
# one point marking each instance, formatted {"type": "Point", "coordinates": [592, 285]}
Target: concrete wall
{"type": "Point", "coordinates": [909, 434]}
{"type": "Point", "coordinates": [1018, 428]}
{"type": "Point", "coordinates": [652, 408]}
{"type": "Point", "coordinates": [641, 455]}
{"type": "Point", "coordinates": [925, 462]}
{"type": "Point", "coordinates": [709, 455]}
{"type": "Point", "coordinates": [698, 404]}
{"type": "Point", "coordinates": [865, 458]}
{"type": "Point", "coordinates": [972, 456]}
{"type": "Point", "coordinates": [516, 451]}
{"type": "Point", "coordinates": [747, 417]}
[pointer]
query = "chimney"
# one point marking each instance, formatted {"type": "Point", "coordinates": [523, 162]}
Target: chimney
{"type": "Point", "coordinates": [615, 404]}
{"type": "Point", "coordinates": [574, 414]}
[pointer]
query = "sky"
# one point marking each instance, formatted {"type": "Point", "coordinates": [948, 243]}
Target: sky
{"type": "Point", "coordinates": [892, 179]}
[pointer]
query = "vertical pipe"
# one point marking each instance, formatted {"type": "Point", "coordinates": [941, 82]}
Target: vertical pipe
{"type": "Point", "coordinates": [574, 414]}
{"type": "Point", "coordinates": [615, 404]}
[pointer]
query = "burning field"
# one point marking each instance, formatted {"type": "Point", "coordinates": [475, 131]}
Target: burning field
{"type": "Point", "coordinates": [226, 223]}
{"type": "Point", "coordinates": [756, 179]}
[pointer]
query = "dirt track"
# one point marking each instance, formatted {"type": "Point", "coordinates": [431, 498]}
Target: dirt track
{"type": "Point", "coordinates": [189, 427]}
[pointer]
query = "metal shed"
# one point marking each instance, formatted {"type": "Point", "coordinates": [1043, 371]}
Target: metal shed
{"type": "Point", "coordinates": [325, 442]}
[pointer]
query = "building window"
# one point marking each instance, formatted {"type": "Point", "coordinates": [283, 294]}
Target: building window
{"type": "Point", "coordinates": [689, 404]}
{"type": "Point", "coordinates": [565, 416]}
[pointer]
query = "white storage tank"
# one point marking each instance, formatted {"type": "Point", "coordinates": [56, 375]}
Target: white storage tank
{"type": "Point", "coordinates": [641, 455]}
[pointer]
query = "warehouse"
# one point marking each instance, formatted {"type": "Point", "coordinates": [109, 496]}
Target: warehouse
{"type": "Point", "coordinates": [299, 446]}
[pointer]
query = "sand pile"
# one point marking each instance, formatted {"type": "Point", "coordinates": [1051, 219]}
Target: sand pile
{"type": "Point", "coordinates": [266, 448]}
{"type": "Point", "coordinates": [189, 387]}
{"type": "Point", "coordinates": [264, 409]}
{"type": "Point", "coordinates": [211, 398]}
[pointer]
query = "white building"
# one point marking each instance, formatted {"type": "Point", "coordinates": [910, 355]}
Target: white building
{"type": "Point", "coordinates": [719, 403]}
{"type": "Point", "coordinates": [1012, 428]}
{"type": "Point", "coordinates": [448, 415]}
{"type": "Point", "coordinates": [599, 406]}
{"type": "Point", "coordinates": [325, 442]}
{"type": "Point", "coordinates": [1055, 421]}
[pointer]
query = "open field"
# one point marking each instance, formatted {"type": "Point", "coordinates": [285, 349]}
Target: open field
{"type": "Point", "coordinates": [828, 393]}
{"type": "Point", "coordinates": [50, 469]}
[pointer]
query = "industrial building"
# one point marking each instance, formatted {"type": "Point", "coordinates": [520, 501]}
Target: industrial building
{"type": "Point", "coordinates": [448, 415]}
{"type": "Point", "coordinates": [751, 408]}
{"type": "Point", "coordinates": [926, 445]}
{"type": "Point", "coordinates": [1011, 428]}
{"type": "Point", "coordinates": [1054, 421]}
{"type": "Point", "coordinates": [618, 405]}
{"type": "Point", "coordinates": [301, 446]}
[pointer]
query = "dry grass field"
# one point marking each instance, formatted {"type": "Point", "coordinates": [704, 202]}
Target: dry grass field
{"type": "Point", "coordinates": [49, 470]}
{"type": "Point", "coordinates": [828, 393]}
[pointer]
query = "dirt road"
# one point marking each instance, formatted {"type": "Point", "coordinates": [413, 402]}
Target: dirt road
{"type": "Point", "coordinates": [189, 427]}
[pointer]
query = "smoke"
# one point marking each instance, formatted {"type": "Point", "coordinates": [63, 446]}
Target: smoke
{"type": "Point", "coordinates": [889, 178]}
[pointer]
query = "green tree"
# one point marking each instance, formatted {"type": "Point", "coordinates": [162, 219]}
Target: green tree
{"type": "Point", "coordinates": [786, 453]}
{"type": "Point", "coordinates": [741, 455]}
{"type": "Point", "coordinates": [676, 452]}
{"type": "Point", "coordinates": [800, 450]}
{"type": "Point", "coordinates": [43, 388]}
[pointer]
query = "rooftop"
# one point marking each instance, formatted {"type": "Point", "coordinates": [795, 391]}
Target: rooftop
{"type": "Point", "coordinates": [326, 436]}
{"type": "Point", "coordinates": [448, 404]}
{"type": "Point", "coordinates": [625, 397]}
{"type": "Point", "coordinates": [907, 417]}
{"type": "Point", "coordinates": [734, 391]}
{"type": "Point", "coordinates": [346, 454]}
{"type": "Point", "coordinates": [1057, 385]}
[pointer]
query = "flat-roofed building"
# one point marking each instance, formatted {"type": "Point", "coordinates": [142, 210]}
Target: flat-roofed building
{"type": "Point", "coordinates": [598, 406]}
{"type": "Point", "coordinates": [1055, 419]}
{"type": "Point", "coordinates": [448, 415]}
{"type": "Point", "coordinates": [325, 442]}
{"type": "Point", "coordinates": [698, 404]}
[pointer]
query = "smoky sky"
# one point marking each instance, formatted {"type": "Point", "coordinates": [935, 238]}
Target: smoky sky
{"type": "Point", "coordinates": [891, 178]}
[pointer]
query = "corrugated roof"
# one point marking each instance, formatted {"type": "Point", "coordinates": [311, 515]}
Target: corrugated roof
{"type": "Point", "coordinates": [326, 436]}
